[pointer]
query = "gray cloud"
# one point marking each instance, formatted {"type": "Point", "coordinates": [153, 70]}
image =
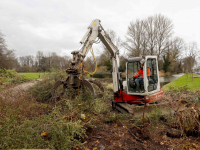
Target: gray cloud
{"type": "Point", "coordinates": [58, 25]}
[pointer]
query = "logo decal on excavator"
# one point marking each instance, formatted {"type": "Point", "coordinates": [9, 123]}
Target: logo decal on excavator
{"type": "Point", "coordinates": [94, 22]}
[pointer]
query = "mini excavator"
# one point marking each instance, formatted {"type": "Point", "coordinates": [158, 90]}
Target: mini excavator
{"type": "Point", "coordinates": [125, 92]}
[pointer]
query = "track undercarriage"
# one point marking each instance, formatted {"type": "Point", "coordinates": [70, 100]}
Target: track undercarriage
{"type": "Point", "coordinates": [138, 109]}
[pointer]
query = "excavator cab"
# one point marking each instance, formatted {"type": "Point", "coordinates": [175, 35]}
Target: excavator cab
{"type": "Point", "coordinates": [146, 81]}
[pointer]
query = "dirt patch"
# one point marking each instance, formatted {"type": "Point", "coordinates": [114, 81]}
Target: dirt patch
{"type": "Point", "coordinates": [165, 132]}
{"type": "Point", "coordinates": [118, 136]}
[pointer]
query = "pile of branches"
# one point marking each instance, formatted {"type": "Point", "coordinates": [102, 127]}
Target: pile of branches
{"type": "Point", "coordinates": [185, 120]}
{"type": "Point", "coordinates": [189, 121]}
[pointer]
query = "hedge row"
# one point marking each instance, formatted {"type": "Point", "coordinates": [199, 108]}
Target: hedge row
{"type": "Point", "coordinates": [102, 75]}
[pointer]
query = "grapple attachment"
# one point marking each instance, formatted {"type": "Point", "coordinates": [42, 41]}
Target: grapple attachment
{"type": "Point", "coordinates": [76, 83]}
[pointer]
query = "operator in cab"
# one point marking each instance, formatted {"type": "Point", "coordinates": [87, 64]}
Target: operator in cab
{"type": "Point", "coordinates": [140, 74]}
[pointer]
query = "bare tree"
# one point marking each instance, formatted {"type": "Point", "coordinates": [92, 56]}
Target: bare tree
{"type": "Point", "coordinates": [55, 63]}
{"type": "Point", "coordinates": [26, 63]}
{"type": "Point", "coordinates": [64, 62]}
{"type": "Point", "coordinates": [149, 36]}
{"type": "Point", "coordinates": [21, 60]}
{"type": "Point", "coordinates": [89, 64]}
{"type": "Point", "coordinates": [42, 62]}
{"type": "Point", "coordinates": [164, 31]}
{"type": "Point", "coordinates": [3, 50]}
{"type": "Point", "coordinates": [177, 47]}
{"type": "Point", "coordinates": [191, 55]}
{"type": "Point", "coordinates": [172, 55]}
{"type": "Point", "coordinates": [7, 57]}
{"type": "Point", "coordinates": [135, 38]}
{"type": "Point", "coordinates": [116, 41]}
{"type": "Point", "coordinates": [152, 34]}
{"type": "Point", "coordinates": [104, 57]}
{"type": "Point", "coordinates": [39, 56]}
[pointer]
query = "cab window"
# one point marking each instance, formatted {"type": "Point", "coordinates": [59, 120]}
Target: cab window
{"type": "Point", "coordinates": [132, 69]}
{"type": "Point", "coordinates": [152, 74]}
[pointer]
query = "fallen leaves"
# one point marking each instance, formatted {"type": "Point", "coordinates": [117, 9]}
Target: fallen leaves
{"type": "Point", "coordinates": [96, 141]}
{"type": "Point", "coordinates": [87, 148]}
{"type": "Point", "coordinates": [83, 116]}
{"type": "Point", "coordinates": [44, 134]}
{"type": "Point", "coordinates": [162, 143]}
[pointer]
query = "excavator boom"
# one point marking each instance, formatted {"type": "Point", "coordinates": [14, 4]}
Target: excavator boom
{"type": "Point", "coordinates": [94, 31]}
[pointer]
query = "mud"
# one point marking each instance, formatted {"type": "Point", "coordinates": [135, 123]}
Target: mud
{"type": "Point", "coordinates": [119, 136]}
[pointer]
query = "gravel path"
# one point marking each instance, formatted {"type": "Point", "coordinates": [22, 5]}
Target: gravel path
{"type": "Point", "coordinates": [17, 91]}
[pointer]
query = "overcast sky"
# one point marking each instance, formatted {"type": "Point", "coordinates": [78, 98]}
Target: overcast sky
{"type": "Point", "coordinates": [58, 25]}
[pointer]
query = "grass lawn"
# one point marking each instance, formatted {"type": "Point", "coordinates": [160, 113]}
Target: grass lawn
{"type": "Point", "coordinates": [32, 75]}
{"type": "Point", "coordinates": [183, 83]}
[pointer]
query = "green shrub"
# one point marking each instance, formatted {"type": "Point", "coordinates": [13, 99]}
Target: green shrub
{"type": "Point", "coordinates": [155, 114]}
{"type": "Point", "coordinates": [108, 64]}
{"type": "Point", "coordinates": [62, 121]}
{"type": "Point", "coordinates": [98, 75]}
{"type": "Point", "coordinates": [11, 76]}
{"type": "Point", "coordinates": [42, 90]}
{"type": "Point", "coordinates": [7, 73]}
{"type": "Point", "coordinates": [19, 133]}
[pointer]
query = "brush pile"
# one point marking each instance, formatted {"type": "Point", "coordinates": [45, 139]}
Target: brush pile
{"type": "Point", "coordinates": [185, 121]}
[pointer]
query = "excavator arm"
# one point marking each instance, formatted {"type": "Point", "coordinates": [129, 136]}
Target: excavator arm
{"type": "Point", "coordinates": [94, 31]}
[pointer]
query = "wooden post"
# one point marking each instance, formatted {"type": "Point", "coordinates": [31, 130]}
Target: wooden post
{"type": "Point", "coordinates": [0, 81]}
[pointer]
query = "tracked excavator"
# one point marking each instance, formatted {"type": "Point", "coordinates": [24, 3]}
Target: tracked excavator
{"type": "Point", "coordinates": [125, 93]}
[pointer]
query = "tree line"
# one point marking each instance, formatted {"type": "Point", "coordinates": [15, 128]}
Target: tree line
{"type": "Point", "coordinates": [153, 35]}
{"type": "Point", "coordinates": [41, 62]}
{"type": "Point", "coordinates": [8, 59]}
